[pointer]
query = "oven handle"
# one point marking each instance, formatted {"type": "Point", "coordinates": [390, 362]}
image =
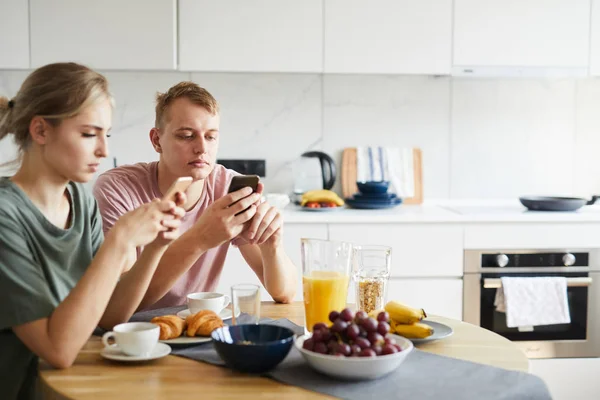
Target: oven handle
{"type": "Point", "coordinates": [571, 282]}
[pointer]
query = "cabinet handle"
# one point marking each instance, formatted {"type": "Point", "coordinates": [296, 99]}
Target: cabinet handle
{"type": "Point", "coordinates": [571, 282]}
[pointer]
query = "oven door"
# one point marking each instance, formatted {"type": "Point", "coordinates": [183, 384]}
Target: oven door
{"type": "Point", "coordinates": [576, 339]}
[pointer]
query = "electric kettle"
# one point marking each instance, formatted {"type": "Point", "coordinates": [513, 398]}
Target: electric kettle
{"type": "Point", "coordinates": [314, 170]}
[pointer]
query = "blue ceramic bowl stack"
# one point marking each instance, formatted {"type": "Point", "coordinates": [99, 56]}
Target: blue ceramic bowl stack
{"type": "Point", "coordinates": [373, 195]}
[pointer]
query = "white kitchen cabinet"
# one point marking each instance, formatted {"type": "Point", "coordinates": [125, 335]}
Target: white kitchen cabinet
{"type": "Point", "coordinates": [532, 236]}
{"type": "Point", "coordinates": [418, 250]}
{"type": "Point", "coordinates": [109, 34]}
{"type": "Point", "coordinates": [595, 39]}
{"type": "Point", "coordinates": [569, 378]}
{"type": "Point", "coordinates": [236, 270]}
{"type": "Point", "coordinates": [14, 40]}
{"type": "Point", "coordinates": [521, 33]}
{"type": "Point", "coordinates": [251, 35]}
{"type": "Point", "coordinates": [442, 297]}
{"type": "Point", "coordinates": [388, 36]}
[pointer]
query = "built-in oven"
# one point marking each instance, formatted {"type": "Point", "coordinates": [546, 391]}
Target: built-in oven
{"type": "Point", "coordinates": [579, 338]}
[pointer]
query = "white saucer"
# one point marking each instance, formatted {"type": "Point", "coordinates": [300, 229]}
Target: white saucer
{"type": "Point", "coordinates": [186, 340]}
{"type": "Point", "coordinates": [224, 314]}
{"type": "Point", "coordinates": [160, 350]}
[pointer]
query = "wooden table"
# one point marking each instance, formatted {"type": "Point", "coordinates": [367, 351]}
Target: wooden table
{"type": "Point", "coordinates": [172, 377]}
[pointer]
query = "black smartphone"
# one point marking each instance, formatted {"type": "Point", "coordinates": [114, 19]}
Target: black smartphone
{"type": "Point", "coordinates": [241, 181]}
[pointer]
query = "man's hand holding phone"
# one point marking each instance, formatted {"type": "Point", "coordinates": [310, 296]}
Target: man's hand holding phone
{"type": "Point", "coordinates": [225, 219]}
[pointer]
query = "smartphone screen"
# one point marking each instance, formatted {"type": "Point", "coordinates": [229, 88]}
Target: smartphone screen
{"type": "Point", "coordinates": [241, 181]}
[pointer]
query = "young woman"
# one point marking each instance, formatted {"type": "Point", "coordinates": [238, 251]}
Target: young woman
{"type": "Point", "coordinates": [59, 277]}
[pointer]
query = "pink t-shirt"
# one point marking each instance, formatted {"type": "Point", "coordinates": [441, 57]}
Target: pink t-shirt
{"type": "Point", "coordinates": [125, 188]}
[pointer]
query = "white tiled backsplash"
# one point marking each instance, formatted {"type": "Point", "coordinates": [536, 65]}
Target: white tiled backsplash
{"type": "Point", "coordinates": [481, 138]}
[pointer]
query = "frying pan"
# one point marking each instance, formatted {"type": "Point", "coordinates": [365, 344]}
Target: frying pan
{"type": "Point", "coordinates": [539, 203]}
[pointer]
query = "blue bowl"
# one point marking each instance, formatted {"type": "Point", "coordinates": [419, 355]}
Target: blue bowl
{"type": "Point", "coordinates": [373, 187]}
{"type": "Point", "coordinates": [253, 348]}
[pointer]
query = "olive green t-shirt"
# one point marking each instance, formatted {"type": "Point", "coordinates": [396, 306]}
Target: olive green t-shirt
{"type": "Point", "coordinates": [40, 264]}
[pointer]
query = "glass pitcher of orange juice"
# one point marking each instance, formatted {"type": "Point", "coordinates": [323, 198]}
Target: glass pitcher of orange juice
{"type": "Point", "coordinates": [326, 267]}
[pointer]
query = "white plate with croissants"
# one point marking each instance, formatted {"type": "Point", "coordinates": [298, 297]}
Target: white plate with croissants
{"type": "Point", "coordinates": [195, 329]}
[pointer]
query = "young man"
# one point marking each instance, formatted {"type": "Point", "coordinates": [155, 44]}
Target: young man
{"type": "Point", "coordinates": [186, 135]}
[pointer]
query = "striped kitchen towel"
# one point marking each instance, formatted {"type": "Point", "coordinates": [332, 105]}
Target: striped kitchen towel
{"type": "Point", "coordinates": [392, 164]}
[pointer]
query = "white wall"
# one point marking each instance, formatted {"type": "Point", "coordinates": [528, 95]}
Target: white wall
{"type": "Point", "coordinates": [482, 138]}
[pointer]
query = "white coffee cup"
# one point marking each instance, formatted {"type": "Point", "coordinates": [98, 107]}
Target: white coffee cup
{"type": "Point", "coordinates": [207, 301]}
{"type": "Point", "coordinates": [133, 338]}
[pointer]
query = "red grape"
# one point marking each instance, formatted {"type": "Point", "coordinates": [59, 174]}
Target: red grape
{"type": "Point", "coordinates": [308, 344]}
{"type": "Point", "coordinates": [362, 332]}
{"type": "Point", "coordinates": [397, 346]}
{"type": "Point", "coordinates": [333, 316]}
{"type": "Point", "coordinates": [375, 337]}
{"type": "Point", "coordinates": [383, 328]}
{"type": "Point", "coordinates": [352, 331]}
{"type": "Point", "coordinates": [367, 353]}
{"type": "Point", "coordinates": [370, 325]}
{"type": "Point", "coordinates": [355, 349]}
{"type": "Point", "coordinates": [320, 348]}
{"type": "Point", "coordinates": [338, 326]}
{"type": "Point", "coordinates": [377, 349]}
{"type": "Point", "coordinates": [360, 316]}
{"type": "Point", "coordinates": [389, 340]}
{"type": "Point", "coordinates": [319, 326]}
{"type": "Point", "coordinates": [362, 343]}
{"type": "Point", "coordinates": [345, 349]}
{"type": "Point", "coordinates": [346, 315]}
{"type": "Point", "coordinates": [332, 346]}
{"type": "Point", "coordinates": [389, 349]}
{"type": "Point", "coordinates": [383, 317]}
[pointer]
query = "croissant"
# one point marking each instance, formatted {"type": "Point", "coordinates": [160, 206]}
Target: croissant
{"type": "Point", "coordinates": [203, 323]}
{"type": "Point", "coordinates": [171, 326]}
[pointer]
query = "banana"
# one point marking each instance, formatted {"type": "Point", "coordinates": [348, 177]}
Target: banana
{"type": "Point", "coordinates": [403, 314]}
{"type": "Point", "coordinates": [393, 326]}
{"type": "Point", "coordinates": [415, 331]}
{"type": "Point", "coordinates": [375, 313]}
{"type": "Point", "coordinates": [321, 196]}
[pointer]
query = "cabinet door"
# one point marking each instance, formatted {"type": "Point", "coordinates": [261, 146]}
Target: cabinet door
{"type": "Point", "coordinates": [595, 39]}
{"type": "Point", "coordinates": [569, 378]}
{"type": "Point", "coordinates": [528, 33]}
{"type": "Point", "coordinates": [388, 36]}
{"type": "Point", "coordinates": [442, 297]}
{"type": "Point", "coordinates": [14, 40]}
{"type": "Point", "coordinates": [420, 250]}
{"type": "Point", "coordinates": [236, 270]}
{"type": "Point", "coordinates": [109, 34]}
{"type": "Point", "coordinates": [251, 35]}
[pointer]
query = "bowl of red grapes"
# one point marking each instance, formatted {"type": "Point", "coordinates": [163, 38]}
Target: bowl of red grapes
{"type": "Point", "coordinates": [354, 346]}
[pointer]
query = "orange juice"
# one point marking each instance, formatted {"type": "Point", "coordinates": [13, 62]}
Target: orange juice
{"type": "Point", "coordinates": [324, 291]}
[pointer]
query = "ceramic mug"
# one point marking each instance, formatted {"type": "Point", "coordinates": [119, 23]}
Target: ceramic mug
{"type": "Point", "coordinates": [133, 338]}
{"type": "Point", "coordinates": [207, 301]}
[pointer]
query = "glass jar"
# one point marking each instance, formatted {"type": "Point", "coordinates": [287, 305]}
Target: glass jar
{"type": "Point", "coordinates": [371, 273]}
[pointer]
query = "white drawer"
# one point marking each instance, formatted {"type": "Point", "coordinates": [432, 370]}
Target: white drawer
{"type": "Point", "coordinates": [532, 236]}
{"type": "Point", "coordinates": [423, 250]}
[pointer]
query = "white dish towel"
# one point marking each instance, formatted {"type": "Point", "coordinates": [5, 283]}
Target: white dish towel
{"type": "Point", "coordinates": [392, 164]}
{"type": "Point", "coordinates": [533, 301]}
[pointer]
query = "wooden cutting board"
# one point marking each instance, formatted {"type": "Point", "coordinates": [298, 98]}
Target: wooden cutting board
{"type": "Point", "coordinates": [349, 174]}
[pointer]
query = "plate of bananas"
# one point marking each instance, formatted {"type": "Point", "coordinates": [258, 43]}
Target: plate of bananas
{"type": "Point", "coordinates": [410, 323]}
{"type": "Point", "coordinates": [321, 201]}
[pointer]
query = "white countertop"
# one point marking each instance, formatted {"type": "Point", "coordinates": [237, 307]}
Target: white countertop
{"type": "Point", "coordinates": [443, 211]}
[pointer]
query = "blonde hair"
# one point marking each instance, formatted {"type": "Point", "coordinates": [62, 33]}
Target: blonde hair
{"type": "Point", "coordinates": [190, 91]}
{"type": "Point", "coordinates": [54, 92]}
